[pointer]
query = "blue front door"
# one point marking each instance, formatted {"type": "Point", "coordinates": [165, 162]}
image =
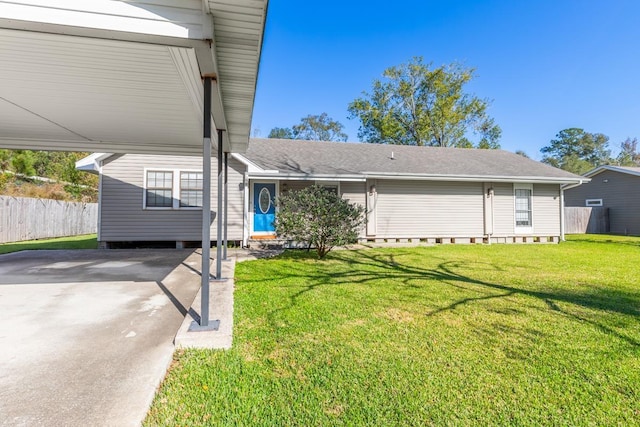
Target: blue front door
{"type": "Point", "coordinates": [264, 209]}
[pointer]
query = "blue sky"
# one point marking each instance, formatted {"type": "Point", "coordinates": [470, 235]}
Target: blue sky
{"type": "Point", "coordinates": [545, 65]}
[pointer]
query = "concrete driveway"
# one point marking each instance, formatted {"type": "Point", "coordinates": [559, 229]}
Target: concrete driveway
{"type": "Point", "coordinates": [86, 336]}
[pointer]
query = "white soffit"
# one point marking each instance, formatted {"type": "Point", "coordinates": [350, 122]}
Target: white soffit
{"type": "Point", "coordinates": [75, 76]}
{"type": "Point", "coordinates": [238, 27]}
{"type": "Point", "coordinates": [62, 92]}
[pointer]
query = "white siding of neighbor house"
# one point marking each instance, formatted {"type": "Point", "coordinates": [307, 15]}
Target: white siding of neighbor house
{"type": "Point", "coordinates": [429, 209]}
{"type": "Point", "coordinates": [123, 217]}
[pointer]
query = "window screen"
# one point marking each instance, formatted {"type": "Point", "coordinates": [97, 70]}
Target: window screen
{"type": "Point", "coordinates": [523, 207]}
{"type": "Point", "coordinates": [159, 189]}
{"type": "Point", "coordinates": [191, 189]}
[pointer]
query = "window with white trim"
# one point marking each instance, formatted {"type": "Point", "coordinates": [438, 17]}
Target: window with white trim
{"type": "Point", "coordinates": [523, 195]}
{"type": "Point", "coordinates": [159, 189]}
{"type": "Point", "coordinates": [191, 189]}
{"type": "Point", "coordinates": [593, 202]}
{"type": "Point", "coordinates": [173, 189]}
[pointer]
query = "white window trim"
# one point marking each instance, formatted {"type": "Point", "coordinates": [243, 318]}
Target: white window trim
{"type": "Point", "coordinates": [176, 200]}
{"type": "Point", "coordinates": [519, 229]}
{"type": "Point", "coordinates": [593, 203]}
{"type": "Point", "coordinates": [175, 190]}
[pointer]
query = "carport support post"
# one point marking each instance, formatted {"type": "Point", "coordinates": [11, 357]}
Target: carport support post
{"type": "Point", "coordinates": [218, 214]}
{"type": "Point", "coordinates": [226, 203]}
{"type": "Point", "coordinates": [206, 204]}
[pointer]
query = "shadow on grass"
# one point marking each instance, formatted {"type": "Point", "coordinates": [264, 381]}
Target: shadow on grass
{"type": "Point", "coordinates": [370, 266]}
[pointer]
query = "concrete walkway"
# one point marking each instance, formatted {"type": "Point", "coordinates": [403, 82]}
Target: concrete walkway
{"type": "Point", "coordinates": [220, 304]}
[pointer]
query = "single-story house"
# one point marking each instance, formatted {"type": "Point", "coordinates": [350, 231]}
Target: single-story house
{"type": "Point", "coordinates": [616, 188]}
{"type": "Point", "coordinates": [439, 195]}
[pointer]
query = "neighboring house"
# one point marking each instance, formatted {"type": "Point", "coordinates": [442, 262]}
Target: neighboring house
{"type": "Point", "coordinates": [616, 188]}
{"type": "Point", "coordinates": [438, 195]}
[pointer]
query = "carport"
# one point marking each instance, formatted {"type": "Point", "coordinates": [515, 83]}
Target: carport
{"type": "Point", "coordinates": [86, 335]}
{"type": "Point", "coordinates": [148, 77]}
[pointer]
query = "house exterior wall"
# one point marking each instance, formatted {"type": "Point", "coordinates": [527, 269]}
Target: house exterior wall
{"type": "Point", "coordinates": [545, 210]}
{"type": "Point", "coordinates": [123, 217]}
{"type": "Point", "coordinates": [429, 209]}
{"type": "Point", "coordinates": [620, 193]}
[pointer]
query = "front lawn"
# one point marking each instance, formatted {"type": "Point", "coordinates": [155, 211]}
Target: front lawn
{"type": "Point", "coordinates": [87, 241]}
{"type": "Point", "coordinates": [442, 335]}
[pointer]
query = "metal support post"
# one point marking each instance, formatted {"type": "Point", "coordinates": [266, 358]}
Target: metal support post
{"type": "Point", "coordinates": [226, 204]}
{"type": "Point", "coordinates": [218, 213]}
{"type": "Point", "coordinates": [206, 204]}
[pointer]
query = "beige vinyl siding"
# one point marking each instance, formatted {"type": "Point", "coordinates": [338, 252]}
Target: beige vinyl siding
{"type": "Point", "coordinates": [355, 192]}
{"type": "Point", "coordinates": [546, 209]}
{"type": "Point", "coordinates": [123, 217]}
{"type": "Point", "coordinates": [503, 209]}
{"type": "Point", "coordinates": [429, 209]}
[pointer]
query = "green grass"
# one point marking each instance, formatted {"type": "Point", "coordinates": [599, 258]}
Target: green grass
{"type": "Point", "coordinates": [75, 242]}
{"type": "Point", "coordinates": [442, 335]}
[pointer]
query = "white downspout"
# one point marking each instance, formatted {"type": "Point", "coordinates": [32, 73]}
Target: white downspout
{"type": "Point", "coordinates": [562, 214]}
{"type": "Point", "coordinates": [245, 211]}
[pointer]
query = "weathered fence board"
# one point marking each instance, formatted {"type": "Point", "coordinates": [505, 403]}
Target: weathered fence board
{"type": "Point", "coordinates": [580, 220]}
{"type": "Point", "coordinates": [29, 219]}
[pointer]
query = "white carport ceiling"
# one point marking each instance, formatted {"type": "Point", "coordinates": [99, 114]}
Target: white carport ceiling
{"type": "Point", "coordinates": [102, 95]}
{"type": "Point", "coordinates": [93, 89]}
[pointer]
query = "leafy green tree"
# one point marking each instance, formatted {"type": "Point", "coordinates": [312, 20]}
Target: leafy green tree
{"type": "Point", "coordinates": [318, 217]}
{"type": "Point", "coordinates": [417, 104]}
{"type": "Point", "coordinates": [281, 133]}
{"type": "Point", "coordinates": [319, 128]}
{"type": "Point", "coordinates": [22, 162]}
{"type": "Point", "coordinates": [577, 151]}
{"type": "Point", "coordinates": [522, 153]}
{"type": "Point", "coordinates": [313, 127]}
{"type": "Point", "coordinates": [629, 154]}
{"type": "Point", "coordinates": [5, 159]}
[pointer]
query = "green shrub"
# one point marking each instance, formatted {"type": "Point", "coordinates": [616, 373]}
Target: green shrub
{"type": "Point", "coordinates": [318, 217]}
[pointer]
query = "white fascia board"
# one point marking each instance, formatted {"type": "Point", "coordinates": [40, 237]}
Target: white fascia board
{"type": "Point", "coordinates": [113, 15]}
{"type": "Point", "coordinates": [471, 178]}
{"type": "Point", "coordinates": [601, 169]}
{"type": "Point", "coordinates": [305, 177]}
{"type": "Point", "coordinates": [93, 162]}
{"type": "Point", "coordinates": [251, 167]}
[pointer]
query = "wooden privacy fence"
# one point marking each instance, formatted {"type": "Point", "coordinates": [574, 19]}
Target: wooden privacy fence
{"type": "Point", "coordinates": [581, 220]}
{"type": "Point", "coordinates": [29, 219]}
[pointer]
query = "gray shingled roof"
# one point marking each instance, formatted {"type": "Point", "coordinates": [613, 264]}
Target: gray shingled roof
{"type": "Point", "coordinates": [339, 158]}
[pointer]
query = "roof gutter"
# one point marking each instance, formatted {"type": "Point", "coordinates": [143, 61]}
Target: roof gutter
{"type": "Point", "coordinates": [306, 177]}
{"type": "Point", "coordinates": [474, 178]}
{"type": "Point", "coordinates": [569, 186]}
